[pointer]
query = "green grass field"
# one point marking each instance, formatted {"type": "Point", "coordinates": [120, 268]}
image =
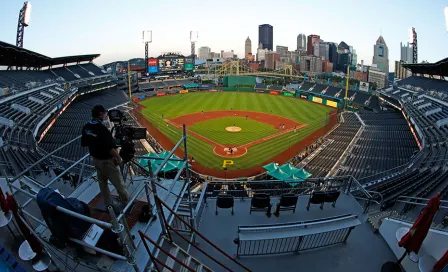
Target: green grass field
{"type": "Point", "coordinates": [215, 130]}
{"type": "Point", "coordinates": [172, 106]}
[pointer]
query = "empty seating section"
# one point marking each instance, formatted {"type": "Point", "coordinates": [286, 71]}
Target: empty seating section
{"type": "Point", "coordinates": [65, 73]}
{"type": "Point", "coordinates": [20, 80]}
{"type": "Point", "coordinates": [385, 143]}
{"type": "Point", "coordinates": [94, 69]}
{"type": "Point", "coordinates": [429, 174]}
{"type": "Point", "coordinates": [27, 79]}
{"type": "Point", "coordinates": [320, 165]}
{"type": "Point", "coordinates": [424, 83]}
{"type": "Point", "coordinates": [70, 123]}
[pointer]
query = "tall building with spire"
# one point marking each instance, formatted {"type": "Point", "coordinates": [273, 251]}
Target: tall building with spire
{"type": "Point", "coordinates": [247, 47]}
{"type": "Point", "coordinates": [381, 55]}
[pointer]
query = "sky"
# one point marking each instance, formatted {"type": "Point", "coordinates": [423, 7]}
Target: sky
{"type": "Point", "coordinates": [114, 28]}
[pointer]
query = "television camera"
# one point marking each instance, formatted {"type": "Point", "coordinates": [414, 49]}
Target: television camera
{"type": "Point", "coordinates": [125, 134]}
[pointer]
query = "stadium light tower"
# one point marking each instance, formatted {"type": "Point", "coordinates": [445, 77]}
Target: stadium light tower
{"type": "Point", "coordinates": [24, 21]}
{"type": "Point", "coordinates": [193, 39]}
{"type": "Point", "coordinates": [147, 39]}
{"type": "Point", "coordinates": [413, 41]}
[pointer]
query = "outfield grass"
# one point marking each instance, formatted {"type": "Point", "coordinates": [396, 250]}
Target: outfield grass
{"type": "Point", "coordinates": [215, 130]}
{"type": "Point", "coordinates": [172, 106]}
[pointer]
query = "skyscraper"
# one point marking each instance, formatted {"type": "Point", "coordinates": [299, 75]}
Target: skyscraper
{"type": "Point", "coordinates": [266, 36]}
{"type": "Point", "coordinates": [310, 43]}
{"type": "Point", "coordinates": [321, 49]}
{"type": "Point", "coordinates": [333, 53]}
{"type": "Point", "coordinates": [204, 52]}
{"type": "Point", "coordinates": [301, 43]}
{"type": "Point", "coordinates": [282, 50]}
{"type": "Point", "coordinates": [247, 47]}
{"type": "Point", "coordinates": [406, 53]}
{"type": "Point", "coordinates": [381, 55]}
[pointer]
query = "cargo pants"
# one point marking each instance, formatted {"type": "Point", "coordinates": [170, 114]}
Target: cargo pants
{"type": "Point", "coordinates": [108, 170]}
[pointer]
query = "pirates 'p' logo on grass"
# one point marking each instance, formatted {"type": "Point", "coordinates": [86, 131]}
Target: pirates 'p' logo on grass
{"type": "Point", "coordinates": [226, 162]}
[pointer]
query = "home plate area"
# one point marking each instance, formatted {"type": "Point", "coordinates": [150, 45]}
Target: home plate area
{"type": "Point", "coordinates": [231, 150]}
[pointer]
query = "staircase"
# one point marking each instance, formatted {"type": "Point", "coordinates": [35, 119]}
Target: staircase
{"type": "Point", "coordinates": [181, 255]}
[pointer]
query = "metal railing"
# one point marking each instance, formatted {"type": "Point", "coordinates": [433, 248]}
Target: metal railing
{"type": "Point", "coordinates": [161, 206]}
{"type": "Point", "coordinates": [294, 237]}
{"type": "Point", "coordinates": [440, 221]}
{"type": "Point", "coordinates": [118, 223]}
{"type": "Point", "coordinates": [245, 189]}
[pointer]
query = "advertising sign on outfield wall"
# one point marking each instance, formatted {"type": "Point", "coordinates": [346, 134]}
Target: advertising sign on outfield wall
{"type": "Point", "coordinates": [317, 99]}
{"type": "Point", "coordinates": [161, 94]}
{"type": "Point", "coordinates": [304, 96]}
{"type": "Point", "coordinates": [288, 94]}
{"type": "Point", "coordinates": [332, 104]}
{"type": "Point", "coordinates": [183, 91]}
{"type": "Point", "coordinates": [273, 92]}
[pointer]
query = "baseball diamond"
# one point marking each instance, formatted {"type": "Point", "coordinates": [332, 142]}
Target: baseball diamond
{"type": "Point", "coordinates": [270, 128]}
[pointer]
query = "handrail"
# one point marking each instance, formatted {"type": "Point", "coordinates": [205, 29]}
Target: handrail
{"type": "Point", "coordinates": [144, 237]}
{"type": "Point", "coordinates": [157, 198]}
{"type": "Point", "coordinates": [198, 248]}
{"type": "Point", "coordinates": [43, 158]}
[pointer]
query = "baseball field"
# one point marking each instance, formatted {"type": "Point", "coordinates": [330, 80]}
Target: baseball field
{"type": "Point", "coordinates": [248, 128]}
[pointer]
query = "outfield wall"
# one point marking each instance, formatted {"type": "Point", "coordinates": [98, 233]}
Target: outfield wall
{"type": "Point", "coordinates": [138, 97]}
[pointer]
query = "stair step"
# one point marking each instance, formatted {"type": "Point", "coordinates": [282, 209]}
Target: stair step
{"type": "Point", "coordinates": [170, 262]}
{"type": "Point", "coordinates": [188, 263]}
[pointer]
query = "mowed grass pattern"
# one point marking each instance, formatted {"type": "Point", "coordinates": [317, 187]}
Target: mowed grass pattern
{"type": "Point", "coordinates": [172, 106]}
{"type": "Point", "coordinates": [215, 130]}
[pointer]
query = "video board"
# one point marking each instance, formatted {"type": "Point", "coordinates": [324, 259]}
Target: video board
{"type": "Point", "coordinates": [189, 66]}
{"type": "Point", "coordinates": [171, 64]}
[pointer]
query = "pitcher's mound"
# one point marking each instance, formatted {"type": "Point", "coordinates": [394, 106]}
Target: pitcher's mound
{"type": "Point", "coordinates": [233, 129]}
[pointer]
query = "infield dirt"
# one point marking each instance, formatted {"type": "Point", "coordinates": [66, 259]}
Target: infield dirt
{"type": "Point", "coordinates": [280, 158]}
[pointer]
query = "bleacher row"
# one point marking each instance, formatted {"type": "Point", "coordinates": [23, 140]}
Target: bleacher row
{"type": "Point", "coordinates": [429, 173]}
{"type": "Point", "coordinates": [22, 80]}
{"type": "Point", "coordinates": [70, 123]}
{"type": "Point", "coordinates": [361, 98]}
{"type": "Point", "coordinates": [321, 164]}
{"type": "Point", "coordinates": [385, 143]}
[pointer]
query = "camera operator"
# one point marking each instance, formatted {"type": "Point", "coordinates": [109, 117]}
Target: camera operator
{"type": "Point", "coordinates": [103, 149]}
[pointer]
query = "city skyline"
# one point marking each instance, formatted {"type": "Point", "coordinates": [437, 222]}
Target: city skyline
{"type": "Point", "coordinates": [62, 28]}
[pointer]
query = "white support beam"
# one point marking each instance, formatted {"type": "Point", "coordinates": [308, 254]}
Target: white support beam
{"type": "Point", "coordinates": [46, 95]}
{"type": "Point", "coordinates": [6, 121]}
{"type": "Point", "coordinates": [436, 110]}
{"type": "Point", "coordinates": [37, 100]}
{"type": "Point", "coordinates": [418, 102]}
{"type": "Point", "coordinates": [424, 105]}
{"type": "Point", "coordinates": [21, 108]}
{"type": "Point", "coordinates": [53, 91]}
{"type": "Point", "coordinates": [442, 122]}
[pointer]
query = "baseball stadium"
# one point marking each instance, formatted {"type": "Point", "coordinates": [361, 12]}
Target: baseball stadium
{"type": "Point", "coordinates": [245, 129]}
{"type": "Point", "coordinates": [209, 165]}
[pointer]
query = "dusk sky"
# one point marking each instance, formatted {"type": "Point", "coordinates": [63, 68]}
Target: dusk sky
{"type": "Point", "coordinates": [114, 28]}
